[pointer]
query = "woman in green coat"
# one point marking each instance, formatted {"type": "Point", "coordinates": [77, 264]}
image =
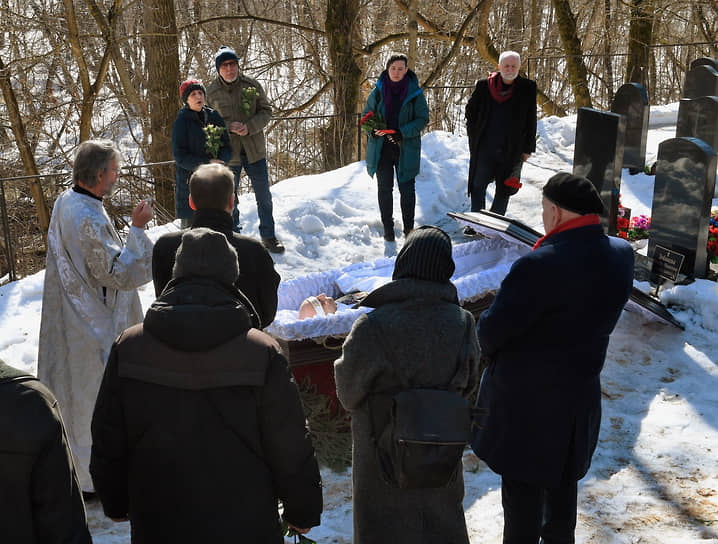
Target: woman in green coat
{"type": "Point", "coordinates": [399, 101]}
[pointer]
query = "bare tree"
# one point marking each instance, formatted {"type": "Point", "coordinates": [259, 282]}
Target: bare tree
{"type": "Point", "coordinates": [161, 49]}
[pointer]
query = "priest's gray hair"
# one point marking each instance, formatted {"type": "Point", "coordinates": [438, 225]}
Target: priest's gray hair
{"type": "Point", "coordinates": [93, 156]}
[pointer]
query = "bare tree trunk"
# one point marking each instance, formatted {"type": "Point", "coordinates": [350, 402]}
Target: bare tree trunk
{"type": "Point", "coordinates": [162, 51]}
{"type": "Point", "coordinates": [607, 63]}
{"type": "Point", "coordinates": [640, 37]}
{"type": "Point", "coordinates": [107, 27]}
{"type": "Point", "coordinates": [28, 160]}
{"type": "Point", "coordinates": [413, 27]}
{"type": "Point", "coordinates": [515, 40]}
{"type": "Point", "coordinates": [574, 54]}
{"type": "Point", "coordinates": [346, 76]}
{"type": "Point", "coordinates": [89, 90]}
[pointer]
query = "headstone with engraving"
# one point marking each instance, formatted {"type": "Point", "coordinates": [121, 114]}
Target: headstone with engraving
{"type": "Point", "coordinates": [705, 61]}
{"type": "Point", "coordinates": [598, 156]}
{"type": "Point", "coordinates": [631, 100]}
{"type": "Point", "coordinates": [701, 81]}
{"type": "Point", "coordinates": [682, 195]}
{"type": "Point", "coordinates": [698, 118]}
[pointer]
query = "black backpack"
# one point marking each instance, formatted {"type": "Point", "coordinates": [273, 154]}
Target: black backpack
{"type": "Point", "coordinates": [419, 436]}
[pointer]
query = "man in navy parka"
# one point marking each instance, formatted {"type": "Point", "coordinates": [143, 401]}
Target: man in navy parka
{"type": "Point", "coordinates": [545, 337]}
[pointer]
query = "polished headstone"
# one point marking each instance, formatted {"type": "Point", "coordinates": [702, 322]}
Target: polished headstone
{"type": "Point", "coordinates": [598, 156]}
{"type": "Point", "coordinates": [682, 195]}
{"type": "Point", "coordinates": [701, 81]}
{"type": "Point", "coordinates": [705, 61]}
{"type": "Point", "coordinates": [698, 118]}
{"type": "Point", "coordinates": [631, 100]}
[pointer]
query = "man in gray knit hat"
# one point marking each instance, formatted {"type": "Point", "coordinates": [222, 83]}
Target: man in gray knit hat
{"type": "Point", "coordinates": [243, 104]}
{"type": "Point", "coordinates": [198, 428]}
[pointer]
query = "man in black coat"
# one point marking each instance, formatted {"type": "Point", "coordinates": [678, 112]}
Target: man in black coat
{"type": "Point", "coordinates": [198, 429]}
{"type": "Point", "coordinates": [546, 336]}
{"type": "Point", "coordinates": [40, 499]}
{"type": "Point", "coordinates": [212, 197]}
{"type": "Point", "coordinates": [501, 125]}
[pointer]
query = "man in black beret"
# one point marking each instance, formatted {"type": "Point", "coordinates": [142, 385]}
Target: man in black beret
{"type": "Point", "coordinates": [545, 337]}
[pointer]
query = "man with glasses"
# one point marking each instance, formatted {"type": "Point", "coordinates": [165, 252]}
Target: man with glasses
{"type": "Point", "coordinates": [243, 104]}
{"type": "Point", "coordinates": [90, 293]}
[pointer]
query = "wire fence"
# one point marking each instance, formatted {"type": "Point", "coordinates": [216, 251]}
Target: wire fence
{"type": "Point", "coordinates": [297, 145]}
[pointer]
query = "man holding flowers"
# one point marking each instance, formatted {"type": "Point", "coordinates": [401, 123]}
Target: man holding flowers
{"type": "Point", "coordinates": [243, 103]}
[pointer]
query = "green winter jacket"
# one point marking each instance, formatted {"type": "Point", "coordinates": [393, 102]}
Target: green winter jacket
{"type": "Point", "coordinates": [227, 99]}
{"type": "Point", "coordinates": [413, 116]}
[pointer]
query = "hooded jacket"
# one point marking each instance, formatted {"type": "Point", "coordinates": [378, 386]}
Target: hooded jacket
{"type": "Point", "coordinates": [198, 428]}
{"type": "Point", "coordinates": [40, 500]}
{"type": "Point", "coordinates": [439, 350]}
{"type": "Point", "coordinates": [413, 116]}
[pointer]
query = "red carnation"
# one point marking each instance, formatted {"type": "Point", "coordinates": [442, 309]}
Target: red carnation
{"type": "Point", "coordinates": [514, 183]}
{"type": "Point", "coordinates": [368, 116]}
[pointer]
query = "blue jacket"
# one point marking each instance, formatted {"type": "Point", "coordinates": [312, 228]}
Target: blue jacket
{"type": "Point", "coordinates": [413, 116]}
{"type": "Point", "coordinates": [188, 150]}
{"type": "Point", "coordinates": [546, 336]}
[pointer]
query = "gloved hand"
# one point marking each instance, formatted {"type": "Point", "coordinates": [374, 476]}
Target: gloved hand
{"type": "Point", "coordinates": [513, 185]}
{"type": "Point", "coordinates": [394, 138]}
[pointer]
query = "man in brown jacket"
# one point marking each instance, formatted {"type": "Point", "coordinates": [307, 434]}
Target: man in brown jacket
{"type": "Point", "coordinates": [243, 104]}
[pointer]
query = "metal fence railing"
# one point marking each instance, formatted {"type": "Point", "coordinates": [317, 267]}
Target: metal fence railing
{"type": "Point", "coordinates": [297, 145]}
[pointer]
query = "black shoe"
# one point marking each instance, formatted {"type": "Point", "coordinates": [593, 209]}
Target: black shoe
{"type": "Point", "coordinates": [389, 235]}
{"type": "Point", "coordinates": [273, 245]}
{"type": "Point", "coordinates": [89, 496]}
{"type": "Point", "coordinates": [468, 231]}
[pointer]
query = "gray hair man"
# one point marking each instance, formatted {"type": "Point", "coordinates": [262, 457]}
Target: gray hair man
{"type": "Point", "coordinates": [90, 292]}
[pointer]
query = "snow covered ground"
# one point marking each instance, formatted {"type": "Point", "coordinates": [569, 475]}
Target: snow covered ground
{"type": "Point", "coordinates": [654, 477]}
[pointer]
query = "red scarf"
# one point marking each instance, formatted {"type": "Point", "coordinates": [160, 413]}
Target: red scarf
{"type": "Point", "coordinates": [499, 90]}
{"type": "Point", "coordinates": [583, 221]}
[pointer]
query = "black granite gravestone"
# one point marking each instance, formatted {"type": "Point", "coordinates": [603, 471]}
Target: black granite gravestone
{"type": "Point", "coordinates": [701, 81]}
{"type": "Point", "coordinates": [698, 118]}
{"type": "Point", "coordinates": [631, 100]}
{"type": "Point", "coordinates": [705, 61]}
{"type": "Point", "coordinates": [598, 155]}
{"type": "Point", "coordinates": [682, 195]}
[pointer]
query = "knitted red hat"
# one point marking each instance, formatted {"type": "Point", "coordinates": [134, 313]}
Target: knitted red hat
{"type": "Point", "coordinates": [190, 85]}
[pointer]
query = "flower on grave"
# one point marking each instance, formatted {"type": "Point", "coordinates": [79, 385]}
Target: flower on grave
{"type": "Point", "coordinates": [214, 140]}
{"type": "Point", "coordinates": [622, 223]}
{"type": "Point", "coordinates": [249, 97]}
{"type": "Point", "coordinates": [638, 227]}
{"type": "Point", "coordinates": [372, 120]}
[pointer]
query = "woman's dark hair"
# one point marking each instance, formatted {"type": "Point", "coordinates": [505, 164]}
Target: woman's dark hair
{"type": "Point", "coordinates": [393, 57]}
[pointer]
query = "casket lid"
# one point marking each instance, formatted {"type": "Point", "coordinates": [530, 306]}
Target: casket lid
{"type": "Point", "coordinates": [491, 225]}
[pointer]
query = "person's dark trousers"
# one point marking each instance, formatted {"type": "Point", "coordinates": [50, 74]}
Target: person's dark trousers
{"type": "Point", "coordinates": [486, 167]}
{"type": "Point", "coordinates": [534, 515]}
{"type": "Point", "coordinates": [388, 165]}
{"type": "Point", "coordinates": [259, 177]}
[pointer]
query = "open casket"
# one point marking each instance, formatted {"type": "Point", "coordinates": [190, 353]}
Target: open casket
{"type": "Point", "coordinates": [312, 345]}
{"type": "Point", "coordinates": [493, 225]}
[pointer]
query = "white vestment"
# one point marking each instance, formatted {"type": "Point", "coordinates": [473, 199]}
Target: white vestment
{"type": "Point", "coordinates": [89, 298]}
